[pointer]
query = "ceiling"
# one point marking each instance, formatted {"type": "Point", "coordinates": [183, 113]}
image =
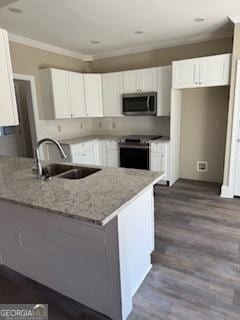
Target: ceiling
{"type": "Point", "coordinates": [73, 24]}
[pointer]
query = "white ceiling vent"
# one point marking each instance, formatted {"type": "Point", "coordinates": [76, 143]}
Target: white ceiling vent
{"type": "Point", "coordinates": [202, 166]}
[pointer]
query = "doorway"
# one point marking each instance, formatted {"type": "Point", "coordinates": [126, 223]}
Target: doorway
{"type": "Point", "coordinates": [20, 140]}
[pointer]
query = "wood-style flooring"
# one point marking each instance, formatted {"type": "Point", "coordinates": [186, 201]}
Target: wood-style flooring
{"type": "Point", "coordinates": [196, 263]}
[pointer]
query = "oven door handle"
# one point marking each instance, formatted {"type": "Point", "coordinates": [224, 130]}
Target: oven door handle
{"type": "Point", "coordinates": [134, 147]}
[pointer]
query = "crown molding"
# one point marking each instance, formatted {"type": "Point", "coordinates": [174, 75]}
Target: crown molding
{"type": "Point", "coordinates": [161, 45]}
{"type": "Point", "coordinates": [234, 19]}
{"type": "Point", "coordinates": [48, 47]}
{"type": "Point", "coordinates": [5, 3]}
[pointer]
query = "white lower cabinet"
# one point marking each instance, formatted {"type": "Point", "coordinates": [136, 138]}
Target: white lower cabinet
{"type": "Point", "coordinates": [112, 158]}
{"type": "Point", "coordinates": [159, 158]}
{"type": "Point", "coordinates": [108, 153]}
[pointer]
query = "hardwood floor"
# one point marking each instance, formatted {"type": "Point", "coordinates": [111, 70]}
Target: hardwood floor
{"type": "Point", "coordinates": [196, 264]}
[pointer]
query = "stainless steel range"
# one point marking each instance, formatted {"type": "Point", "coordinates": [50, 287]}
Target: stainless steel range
{"type": "Point", "coordinates": [134, 151]}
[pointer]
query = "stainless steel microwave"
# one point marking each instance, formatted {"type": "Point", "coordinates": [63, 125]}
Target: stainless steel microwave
{"type": "Point", "coordinates": [144, 103]}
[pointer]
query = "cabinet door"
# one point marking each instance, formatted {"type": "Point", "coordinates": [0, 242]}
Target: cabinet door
{"type": "Point", "coordinates": [77, 95]}
{"type": "Point", "coordinates": [158, 162]}
{"type": "Point", "coordinates": [130, 81]}
{"type": "Point", "coordinates": [112, 90]}
{"type": "Point", "coordinates": [8, 114]}
{"type": "Point", "coordinates": [185, 74]}
{"type": "Point", "coordinates": [93, 95]}
{"type": "Point", "coordinates": [147, 80]}
{"type": "Point", "coordinates": [164, 91]}
{"type": "Point", "coordinates": [102, 153]}
{"type": "Point", "coordinates": [215, 70]}
{"type": "Point", "coordinates": [112, 158]}
{"type": "Point", "coordinates": [60, 94]}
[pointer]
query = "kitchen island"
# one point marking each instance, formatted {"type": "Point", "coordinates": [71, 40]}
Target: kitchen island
{"type": "Point", "coordinates": [90, 239]}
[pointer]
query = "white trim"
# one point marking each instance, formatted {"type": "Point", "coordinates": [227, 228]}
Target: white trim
{"type": "Point", "coordinates": [160, 45]}
{"type": "Point", "coordinates": [234, 19]}
{"type": "Point", "coordinates": [5, 3]}
{"type": "Point", "coordinates": [48, 47]}
{"type": "Point", "coordinates": [225, 192]}
{"type": "Point", "coordinates": [234, 133]}
{"type": "Point", "coordinates": [31, 80]}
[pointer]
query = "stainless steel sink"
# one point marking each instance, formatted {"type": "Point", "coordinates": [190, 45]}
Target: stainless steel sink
{"type": "Point", "coordinates": [55, 169]}
{"type": "Point", "coordinates": [78, 173]}
{"type": "Point", "coordinates": [67, 171]}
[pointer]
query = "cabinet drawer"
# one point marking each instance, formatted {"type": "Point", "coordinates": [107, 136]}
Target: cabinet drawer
{"type": "Point", "coordinates": [158, 147]}
{"type": "Point", "coordinates": [81, 147]}
{"type": "Point", "coordinates": [111, 144]}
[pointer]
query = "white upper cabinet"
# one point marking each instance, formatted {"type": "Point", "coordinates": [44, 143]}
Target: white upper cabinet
{"type": "Point", "coordinates": [71, 95]}
{"type": "Point", "coordinates": [202, 72]}
{"type": "Point", "coordinates": [93, 94]}
{"type": "Point", "coordinates": [164, 82]}
{"type": "Point", "coordinates": [77, 95]}
{"type": "Point", "coordinates": [147, 80]}
{"type": "Point", "coordinates": [8, 114]}
{"type": "Point", "coordinates": [185, 73]}
{"type": "Point", "coordinates": [60, 94]}
{"type": "Point", "coordinates": [215, 70]}
{"type": "Point", "coordinates": [112, 91]}
{"type": "Point", "coordinates": [144, 80]}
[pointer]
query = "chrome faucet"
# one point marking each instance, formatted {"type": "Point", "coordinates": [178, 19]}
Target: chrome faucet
{"type": "Point", "coordinates": [37, 154]}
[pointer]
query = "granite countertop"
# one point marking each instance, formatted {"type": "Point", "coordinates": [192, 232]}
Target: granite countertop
{"type": "Point", "coordinates": [95, 199]}
{"type": "Point", "coordinates": [89, 138]}
{"type": "Point", "coordinates": [163, 139]}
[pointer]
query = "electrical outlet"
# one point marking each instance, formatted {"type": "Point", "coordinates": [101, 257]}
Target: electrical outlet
{"type": "Point", "coordinates": [81, 126]}
{"type": "Point", "coordinates": [59, 128]}
{"type": "Point", "coordinates": [202, 166]}
{"type": "Point", "coordinates": [18, 239]}
{"type": "Point", "coordinates": [114, 125]}
{"type": "Point", "coordinates": [100, 124]}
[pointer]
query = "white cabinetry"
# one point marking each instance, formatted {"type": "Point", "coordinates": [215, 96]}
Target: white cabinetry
{"type": "Point", "coordinates": [215, 70]}
{"type": "Point", "coordinates": [202, 72]}
{"type": "Point", "coordinates": [144, 80]}
{"type": "Point", "coordinates": [62, 93]}
{"type": "Point", "coordinates": [77, 96]}
{"type": "Point", "coordinates": [112, 154]}
{"type": "Point", "coordinates": [159, 158]}
{"type": "Point", "coordinates": [8, 115]}
{"type": "Point", "coordinates": [164, 86]}
{"type": "Point", "coordinates": [93, 95]}
{"type": "Point", "coordinates": [108, 153]}
{"type": "Point", "coordinates": [112, 90]}
{"type": "Point", "coordinates": [69, 95]}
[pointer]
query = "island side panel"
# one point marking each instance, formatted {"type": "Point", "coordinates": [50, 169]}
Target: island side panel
{"type": "Point", "coordinates": [136, 243]}
{"type": "Point", "coordinates": [64, 254]}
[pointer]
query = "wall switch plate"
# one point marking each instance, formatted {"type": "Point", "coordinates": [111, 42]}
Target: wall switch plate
{"type": "Point", "coordinates": [202, 166]}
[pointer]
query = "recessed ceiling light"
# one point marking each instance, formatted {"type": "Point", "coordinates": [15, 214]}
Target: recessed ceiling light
{"type": "Point", "coordinates": [95, 42]}
{"type": "Point", "coordinates": [138, 32]}
{"type": "Point", "coordinates": [14, 10]}
{"type": "Point", "coordinates": [199, 19]}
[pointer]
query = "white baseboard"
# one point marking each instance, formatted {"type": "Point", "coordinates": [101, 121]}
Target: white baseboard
{"type": "Point", "coordinates": [225, 192]}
